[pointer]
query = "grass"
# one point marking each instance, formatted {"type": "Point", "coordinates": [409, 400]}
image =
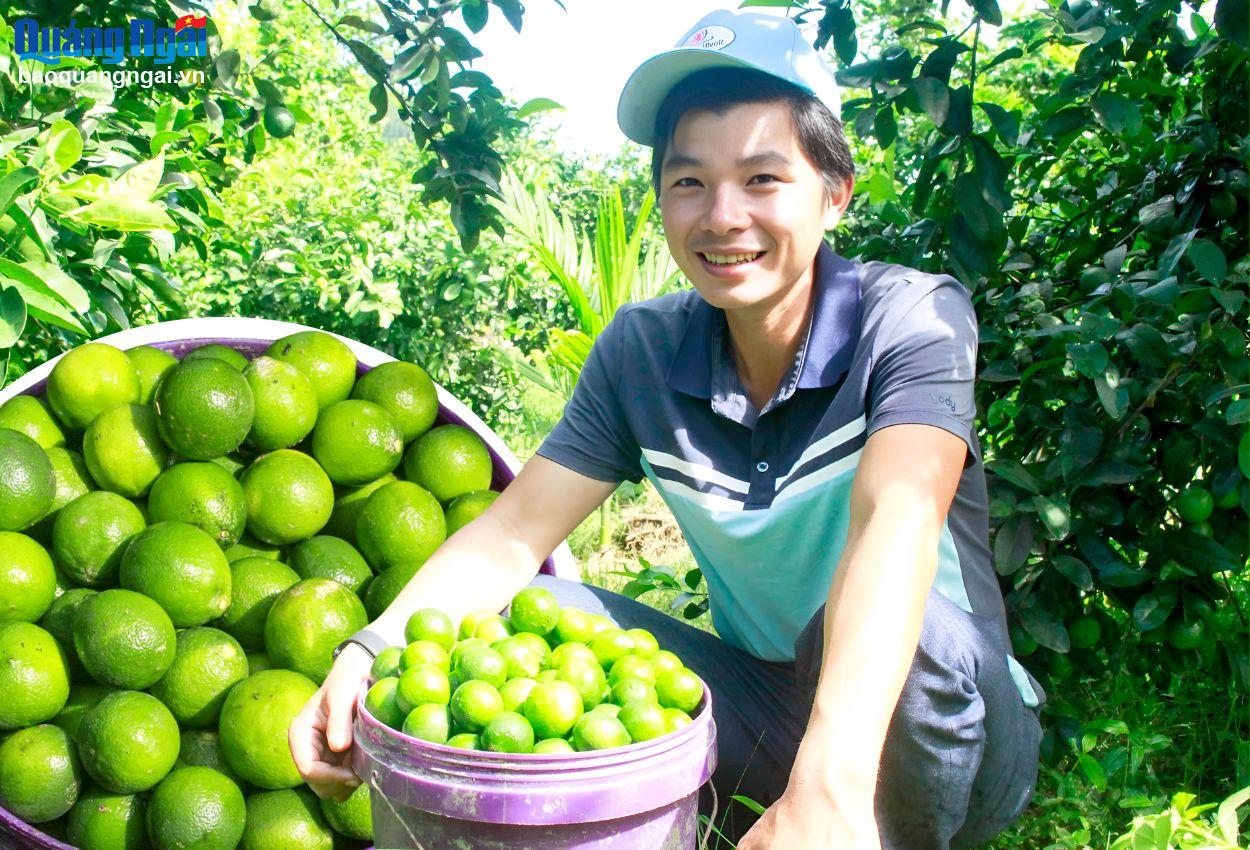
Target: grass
{"type": "Point", "coordinates": [1119, 744]}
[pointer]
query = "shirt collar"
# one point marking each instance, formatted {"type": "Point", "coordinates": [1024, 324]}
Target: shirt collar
{"type": "Point", "coordinates": [703, 367]}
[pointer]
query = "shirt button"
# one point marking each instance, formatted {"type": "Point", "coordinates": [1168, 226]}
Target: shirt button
{"type": "Point", "coordinates": [762, 466]}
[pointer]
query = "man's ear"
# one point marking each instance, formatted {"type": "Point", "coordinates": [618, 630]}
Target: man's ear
{"type": "Point", "coordinates": [837, 201]}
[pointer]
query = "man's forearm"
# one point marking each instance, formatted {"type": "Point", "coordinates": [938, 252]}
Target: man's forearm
{"type": "Point", "coordinates": [480, 568]}
{"type": "Point", "coordinates": [872, 626]}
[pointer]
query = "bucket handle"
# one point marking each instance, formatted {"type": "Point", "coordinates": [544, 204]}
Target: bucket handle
{"type": "Point", "coordinates": [376, 794]}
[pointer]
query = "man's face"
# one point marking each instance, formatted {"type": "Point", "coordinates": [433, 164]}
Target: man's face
{"type": "Point", "coordinates": [739, 184]}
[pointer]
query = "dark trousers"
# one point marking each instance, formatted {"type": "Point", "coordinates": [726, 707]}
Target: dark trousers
{"type": "Point", "coordinates": [961, 755]}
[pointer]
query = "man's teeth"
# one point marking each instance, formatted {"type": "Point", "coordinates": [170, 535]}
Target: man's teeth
{"type": "Point", "coordinates": [730, 259]}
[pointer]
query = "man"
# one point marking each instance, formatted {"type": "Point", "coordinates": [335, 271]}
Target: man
{"type": "Point", "coordinates": [809, 421]}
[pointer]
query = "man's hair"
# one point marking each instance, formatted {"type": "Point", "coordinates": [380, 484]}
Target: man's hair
{"type": "Point", "coordinates": [720, 89]}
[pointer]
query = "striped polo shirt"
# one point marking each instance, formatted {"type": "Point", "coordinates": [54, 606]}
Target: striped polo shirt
{"type": "Point", "coordinates": [763, 496]}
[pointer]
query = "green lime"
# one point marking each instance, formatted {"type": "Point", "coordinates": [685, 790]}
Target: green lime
{"type": "Point", "coordinates": [326, 361]}
{"type": "Point", "coordinates": [40, 775]}
{"type": "Point", "coordinates": [597, 730]}
{"type": "Point", "coordinates": [465, 741]}
{"type": "Point", "coordinates": [482, 663]}
{"type": "Point", "coordinates": [468, 624]}
{"type": "Point", "coordinates": [216, 351]}
{"type": "Point", "coordinates": [82, 698]}
{"type": "Point", "coordinates": [90, 534]}
{"type": "Point", "coordinates": [626, 691]}
{"type": "Point", "coordinates": [631, 667]}
{"type": "Point", "coordinates": [123, 449]}
{"type": "Point", "coordinates": [207, 664]}
{"type": "Point", "coordinates": [1022, 643]}
{"type": "Point", "coordinates": [1061, 667]}
{"type": "Point", "coordinates": [202, 748]}
{"type": "Point", "coordinates": [285, 402]}
{"type": "Point", "coordinates": [204, 495]}
{"type": "Point", "coordinates": [254, 723]}
{"type": "Point", "coordinates": [643, 720]}
{"type": "Point", "coordinates": [587, 677]}
{"type": "Point", "coordinates": [422, 685]}
{"type": "Point", "coordinates": [356, 442]}
{"type": "Point", "coordinates": [286, 820]}
{"type": "Point", "coordinates": [382, 591]}
{"type": "Point", "coordinates": [493, 628]}
{"type": "Point", "coordinates": [70, 479]}
{"type": "Point", "coordinates": [679, 688]}
{"type": "Point", "coordinates": [308, 621]}
{"type": "Point", "coordinates": [125, 639]}
{"type": "Point", "coordinates": [523, 662]}
{"type": "Point", "coordinates": [352, 817]}
{"type": "Point", "coordinates": [464, 509]}
{"type": "Point", "coordinates": [204, 408]}
{"type": "Point", "coordinates": [1085, 632]}
{"type": "Point", "coordinates": [474, 704]}
{"type": "Point", "coordinates": [461, 647]}
{"type": "Point", "coordinates": [1184, 635]}
{"type": "Point", "coordinates": [59, 622]}
{"type": "Point", "coordinates": [348, 503]}
{"type": "Point", "coordinates": [27, 485]}
{"type": "Point", "coordinates": [258, 662]}
{"type": "Point", "coordinates": [128, 741]}
{"type": "Point", "coordinates": [611, 645]}
{"type": "Point", "coordinates": [449, 461]}
{"type": "Point", "coordinates": [552, 747]}
{"type": "Point", "coordinates": [663, 661]}
{"type": "Point", "coordinates": [255, 583]}
{"type": "Point", "coordinates": [30, 415]}
{"type": "Point", "coordinates": [288, 496]}
{"type": "Point", "coordinates": [249, 547]}
{"type": "Point", "coordinates": [89, 380]}
{"type": "Point", "coordinates": [423, 652]}
{"type": "Point", "coordinates": [330, 557]}
{"type": "Point", "coordinates": [102, 820]}
{"type": "Point", "coordinates": [182, 568]}
{"type": "Point", "coordinates": [429, 722]}
{"type": "Point", "coordinates": [574, 626]}
{"type": "Point", "coordinates": [1194, 504]}
{"type": "Point", "coordinates": [27, 578]}
{"type": "Point", "coordinates": [515, 692]}
{"type": "Point", "coordinates": [430, 624]}
{"type": "Point", "coordinates": [150, 365]}
{"type": "Point", "coordinates": [1223, 205]}
{"type": "Point", "coordinates": [567, 652]}
{"type": "Point", "coordinates": [381, 700]}
{"type": "Point", "coordinates": [645, 643]}
{"type": "Point", "coordinates": [534, 610]}
{"type": "Point", "coordinates": [405, 391]}
{"type": "Point", "coordinates": [676, 719]}
{"type": "Point", "coordinates": [387, 664]}
{"type": "Point", "coordinates": [195, 808]}
{"type": "Point", "coordinates": [508, 732]}
{"type": "Point", "coordinates": [400, 524]}
{"type": "Point", "coordinates": [539, 646]}
{"type": "Point", "coordinates": [34, 679]}
{"type": "Point", "coordinates": [552, 708]}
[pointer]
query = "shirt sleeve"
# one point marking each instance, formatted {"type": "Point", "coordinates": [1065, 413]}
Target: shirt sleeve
{"type": "Point", "coordinates": [593, 436]}
{"type": "Point", "coordinates": [924, 370]}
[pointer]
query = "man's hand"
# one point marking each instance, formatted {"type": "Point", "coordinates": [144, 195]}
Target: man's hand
{"type": "Point", "coordinates": [320, 737]}
{"type": "Point", "coordinates": [810, 818]}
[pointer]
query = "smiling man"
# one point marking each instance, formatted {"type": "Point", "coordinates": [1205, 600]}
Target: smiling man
{"type": "Point", "coordinates": [809, 421]}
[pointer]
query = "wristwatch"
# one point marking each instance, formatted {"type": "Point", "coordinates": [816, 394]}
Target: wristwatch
{"type": "Point", "coordinates": [370, 641]}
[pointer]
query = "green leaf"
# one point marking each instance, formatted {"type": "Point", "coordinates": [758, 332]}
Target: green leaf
{"type": "Point", "coordinates": [988, 11]}
{"type": "Point", "coordinates": [12, 185]}
{"type": "Point", "coordinates": [1093, 770]}
{"type": "Point", "coordinates": [1055, 516]}
{"type": "Point", "coordinates": [1114, 397]}
{"type": "Point", "coordinates": [12, 316]}
{"type": "Point", "coordinates": [379, 101]}
{"type": "Point", "coordinates": [1226, 815]}
{"type": "Point", "coordinates": [1006, 124]}
{"type": "Point", "coordinates": [749, 803]}
{"type": "Point", "coordinates": [63, 146]}
{"type": "Point", "coordinates": [1088, 358]}
{"type": "Point", "coordinates": [512, 10]}
{"type": "Point", "coordinates": [1045, 628]}
{"type": "Point", "coordinates": [1238, 412]}
{"type": "Point", "coordinates": [1153, 608]}
{"type": "Point", "coordinates": [1232, 21]}
{"type": "Point", "coordinates": [65, 287]}
{"type": "Point", "coordinates": [885, 128]}
{"type": "Point", "coordinates": [536, 105]}
{"type": "Point", "coordinates": [1014, 472]}
{"type": "Point", "coordinates": [475, 15]}
{"type": "Point", "coordinates": [1117, 113]}
{"type": "Point", "coordinates": [1012, 544]}
{"type": "Point", "coordinates": [934, 96]}
{"type": "Point", "coordinates": [1074, 570]}
{"type": "Point", "coordinates": [127, 213]}
{"type": "Point", "coordinates": [1208, 259]}
{"type": "Point", "coordinates": [47, 309]}
{"type": "Point", "coordinates": [142, 179]}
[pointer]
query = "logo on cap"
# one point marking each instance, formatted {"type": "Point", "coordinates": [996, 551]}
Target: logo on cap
{"type": "Point", "coordinates": [711, 38]}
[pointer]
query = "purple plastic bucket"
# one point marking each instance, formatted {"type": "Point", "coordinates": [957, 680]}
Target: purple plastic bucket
{"type": "Point", "coordinates": [427, 796]}
{"type": "Point", "coordinates": [15, 832]}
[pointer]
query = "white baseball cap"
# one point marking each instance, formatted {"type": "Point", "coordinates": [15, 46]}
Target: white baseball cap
{"type": "Point", "coordinates": [725, 39]}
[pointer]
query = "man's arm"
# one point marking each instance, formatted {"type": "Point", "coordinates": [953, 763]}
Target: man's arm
{"type": "Point", "coordinates": [904, 485]}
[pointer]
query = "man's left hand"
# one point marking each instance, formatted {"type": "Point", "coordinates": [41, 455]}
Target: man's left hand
{"type": "Point", "coordinates": [809, 819]}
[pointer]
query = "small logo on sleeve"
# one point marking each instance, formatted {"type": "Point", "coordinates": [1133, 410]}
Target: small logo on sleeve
{"type": "Point", "coordinates": [943, 399]}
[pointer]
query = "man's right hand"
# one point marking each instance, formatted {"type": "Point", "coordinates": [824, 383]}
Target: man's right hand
{"type": "Point", "coordinates": [320, 737]}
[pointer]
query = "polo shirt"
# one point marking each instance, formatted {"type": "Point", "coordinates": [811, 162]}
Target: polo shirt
{"type": "Point", "coordinates": [763, 496]}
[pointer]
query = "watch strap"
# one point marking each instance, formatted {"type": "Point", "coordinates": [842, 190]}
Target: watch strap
{"type": "Point", "coordinates": [370, 641]}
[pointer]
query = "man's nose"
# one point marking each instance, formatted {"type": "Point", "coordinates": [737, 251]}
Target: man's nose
{"type": "Point", "coordinates": [725, 212]}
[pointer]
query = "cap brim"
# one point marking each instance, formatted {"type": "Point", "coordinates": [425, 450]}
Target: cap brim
{"type": "Point", "coordinates": [646, 88]}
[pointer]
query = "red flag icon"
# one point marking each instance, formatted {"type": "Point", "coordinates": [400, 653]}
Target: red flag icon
{"type": "Point", "coordinates": [191, 21]}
